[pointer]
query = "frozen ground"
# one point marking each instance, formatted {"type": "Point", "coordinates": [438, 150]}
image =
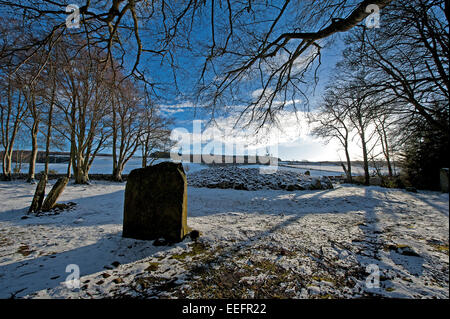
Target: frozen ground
{"type": "Point", "coordinates": [254, 244]}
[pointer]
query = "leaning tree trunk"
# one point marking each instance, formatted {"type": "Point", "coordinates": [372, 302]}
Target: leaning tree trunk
{"type": "Point", "coordinates": [38, 197]}
{"type": "Point", "coordinates": [54, 194]}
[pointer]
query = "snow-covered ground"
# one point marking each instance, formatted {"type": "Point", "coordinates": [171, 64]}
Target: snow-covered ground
{"type": "Point", "coordinates": [269, 177]}
{"type": "Point", "coordinates": [254, 244]}
{"type": "Point", "coordinates": [319, 168]}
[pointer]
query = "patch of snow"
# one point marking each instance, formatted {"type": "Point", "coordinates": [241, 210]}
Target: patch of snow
{"type": "Point", "coordinates": [252, 179]}
{"type": "Point", "coordinates": [324, 238]}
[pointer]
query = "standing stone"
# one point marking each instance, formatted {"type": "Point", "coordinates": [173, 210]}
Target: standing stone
{"type": "Point", "coordinates": [39, 194]}
{"type": "Point", "coordinates": [54, 194]}
{"type": "Point", "coordinates": [156, 203]}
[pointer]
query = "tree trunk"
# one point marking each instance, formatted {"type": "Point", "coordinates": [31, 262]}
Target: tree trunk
{"type": "Point", "coordinates": [81, 177]}
{"type": "Point", "coordinates": [389, 165]}
{"type": "Point", "coordinates": [345, 171]}
{"type": "Point", "coordinates": [366, 160]}
{"type": "Point", "coordinates": [19, 160]}
{"type": "Point", "coordinates": [4, 166]}
{"type": "Point", "coordinates": [54, 194]}
{"type": "Point", "coordinates": [48, 139]}
{"type": "Point", "coordinates": [144, 154]}
{"type": "Point", "coordinates": [80, 172]}
{"type": "Point", "coordinates": [117, 174]}
{"type": "Point", "coordinates": [69, 168]}
{"type": "Point", "coordinates": [349, 165]}
{"type": "Point", "coordinates": [34, 151]}
{"type": "Point", "coordinates": [388, 157]}
{"type": "Point", "coordinates": [7, 157]}
{"type": "Point", "coordinates": [70, 163]}
{"type": "Point", "coordinates": [385, 146]}
{"type": "Point", "coordinates": [38, 197]}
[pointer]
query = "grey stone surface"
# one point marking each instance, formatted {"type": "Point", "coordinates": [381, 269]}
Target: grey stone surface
{"type": "Point", "coordinates": [156, 203]}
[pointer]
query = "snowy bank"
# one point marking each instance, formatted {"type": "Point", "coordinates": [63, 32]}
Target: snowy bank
{"type": "Point", "coordinates": [256, 178]}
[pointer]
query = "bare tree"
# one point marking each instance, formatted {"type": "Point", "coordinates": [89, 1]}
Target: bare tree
{"type": "Point", "coordinates": [155, 135]}
{"type": "Point", "coordinates": [135, 123]}
{"type": "Point", "coordinates": [19, 152]}
{"type": "Point", "coordinates": [406, 61]}
{"type": "Point", "coordinates": [331, 122]}
{"type": "Point", "coordinates": [382, 125]}
{"type": "Point", "coordinates": [34, 113]}
{"type": "Point", "coordinates": [362, 110]}
{"type": "Point", "coordinates": [273, 44]}
{"type": "Point", "coordinates": [12, 113]}
{"type": "Point", "coordinates": [51, 98]}
{"type": "Point", "coordinates": [126, 116]}
{"type": "Point", "coordinates": [84, 104]}
{"type": "Point", "coordinates": [275, 56]}
{"type": "Point", "coordinates": [35, 77]}
{"type": "Point", "coordinates": [407, 58]}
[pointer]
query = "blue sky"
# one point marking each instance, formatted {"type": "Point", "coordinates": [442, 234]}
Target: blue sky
{"type": "Point", "coordinates": [292, 142]}
{"type": "Point", "coordinates": [295, 143]}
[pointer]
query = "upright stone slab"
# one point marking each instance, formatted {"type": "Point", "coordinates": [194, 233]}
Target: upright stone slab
{"type": "Point", "coordinates": [156, 203]}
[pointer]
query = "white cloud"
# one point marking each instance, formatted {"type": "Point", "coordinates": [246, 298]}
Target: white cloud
{"type": "Point", "coordinates": [299, 64]}
{"type": "Point", "coordinates": [175, 108]}
{"type": "Point", "coordinates": [291, 138]}
{"type": "Point", "coordinates": [225, 132]}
